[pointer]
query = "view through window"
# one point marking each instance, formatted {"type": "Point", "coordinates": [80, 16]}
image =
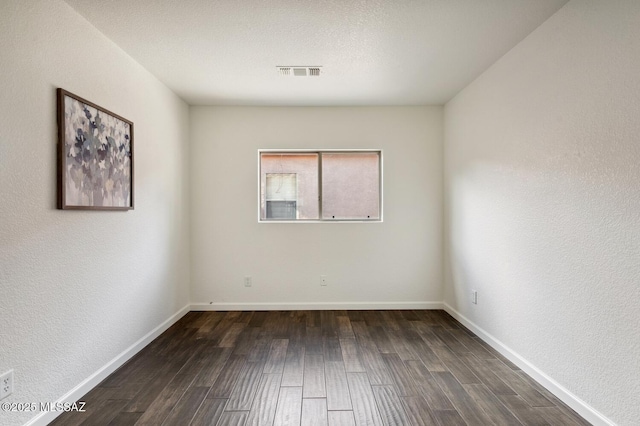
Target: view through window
{"type": "Point", "coordinates": [320, 185]}
{"type": "Point", "coordinates": [281, 196]}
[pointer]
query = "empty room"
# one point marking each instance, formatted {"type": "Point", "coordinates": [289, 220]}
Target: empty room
{"type": "Point", "coordinates": [343, 212]}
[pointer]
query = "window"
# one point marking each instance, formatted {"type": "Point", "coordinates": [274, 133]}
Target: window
{"type": "Point", "coordinates": [281, 196]}
{"type": "Point", "coordinates": [320, 185]}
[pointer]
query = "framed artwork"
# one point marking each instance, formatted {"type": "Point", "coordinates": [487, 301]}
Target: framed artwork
{"type": "Point", "coordinates": [95, 156]}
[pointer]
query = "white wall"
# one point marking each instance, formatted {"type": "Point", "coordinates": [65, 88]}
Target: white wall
{"type": "Point", "coordinates": [78, 288]}
{"type": "Point", "coordinates": [542, 184]}
{"type": "Point", "coordinates": [395, 263]}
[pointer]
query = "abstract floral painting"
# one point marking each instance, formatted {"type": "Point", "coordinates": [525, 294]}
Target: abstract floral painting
{"type": "Point", "coordinates": [95, 150]}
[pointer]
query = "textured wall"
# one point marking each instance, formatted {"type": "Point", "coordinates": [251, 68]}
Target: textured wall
{"type": "Point", "coordinates": [542, 183]}
{"type": "Point", "coordinates": [77, 288]}
{"type": "Point", "coordinates": [398, 260]}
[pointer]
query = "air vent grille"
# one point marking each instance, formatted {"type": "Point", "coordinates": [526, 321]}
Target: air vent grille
{"type": "Point", "coordinates": [299, 71]}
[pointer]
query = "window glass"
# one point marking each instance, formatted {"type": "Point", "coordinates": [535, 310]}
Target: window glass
{"type": "Point", "coordinates": [289, 183]}
{"type": "Point", "coordinates": [321, 185]}
{"type": "Point", "coordinates": [281, 196]}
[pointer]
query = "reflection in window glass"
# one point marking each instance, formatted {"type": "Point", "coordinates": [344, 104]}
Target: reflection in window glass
{"type": "Point", "coordinates": [289, 186]}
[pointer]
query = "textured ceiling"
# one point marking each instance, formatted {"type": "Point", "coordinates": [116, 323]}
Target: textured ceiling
{"type": "Point", "coordinates": [373, 52]}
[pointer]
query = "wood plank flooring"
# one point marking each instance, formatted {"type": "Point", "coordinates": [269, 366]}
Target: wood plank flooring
{"type": "Point", "coordinates": [328, 368]}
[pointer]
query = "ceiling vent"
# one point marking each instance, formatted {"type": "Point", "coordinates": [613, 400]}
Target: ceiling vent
{"type": "Point", "coordinates": [298, 71]}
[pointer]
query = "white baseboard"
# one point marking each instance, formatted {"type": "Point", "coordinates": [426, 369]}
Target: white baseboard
{"type": "Point", "coordinates": [92, 381]}
{"type": "Point", "coordinates": [585, 410]}
{"type": "Point", "coordinates": [305, 306]}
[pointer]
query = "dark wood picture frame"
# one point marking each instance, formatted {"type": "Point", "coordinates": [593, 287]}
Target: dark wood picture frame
{"type": "Point", "coordinates": [95, 156]}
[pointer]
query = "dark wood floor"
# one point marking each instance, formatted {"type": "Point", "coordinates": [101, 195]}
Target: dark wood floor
{"type": "Point", "coordinates": [320, 368]}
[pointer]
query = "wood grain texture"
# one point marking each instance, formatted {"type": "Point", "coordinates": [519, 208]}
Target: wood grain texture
{"type": "Point", "coordinates": [212, 364]}
{"type": "Point", "coordinates": [518, 384]}
{"type": "Point", "coordinates": [222, 328]}
{"type": "Point", "coordinates": [556, 416]}
{"type": "Point", "coordinates": [341, 418]}
{"type": "Point", "coordinates": [456, 366]}
{"type": "Point", "coordinates": [230, 337]}
{"type": "Point", "coordinates": [401, 376]}
{"type": "Point", "coordinates": [263, 409]}
{"type": "Point", "coordinates": [381, 339]}
{"type": "Point", "coordinates": [373, 363]}
{"type": "Point", "coordinates": [566, 410]}
{"type": "Point", "coordinates": [449, 418]}
{"type": "Point", "coordinates": [223, 386]}
{"type": "Point", "coordinates": [495, 410]}
{"type": "Point", "coordinates": [454, 344]}
{"type": "Point", "coordinates": [186, 408]}
{"type": "Point", "coordinates": [209, 412]}
{"type": "Point", "coordinates": [351, 356]}
{"type": "Point", "coordinates": [246, 387]}
{"type": "Point", "coordinates": [314, 380]}
{"type": "Point", "coordinates": [472, 343]}
{"type": "Point", "coordinates": [338, 397]}
{"type": "Point", "coordinates": [329, 323]}
{"type": "Point", "coordinates": [276, 358]}
{"type": "Point", "coordinates": [523, 411]}
{"type": "Point", "coordinates": [331, 349]}
{"type": "Point", "coordinates": [486, 375]}
{"type": "Point", "coordinates": [276, 324]}
{"type": "Point", "coordinates": [426, 354]}
{"type": "Point", "coordinates": [289, 408]}
{"type": "Point", "coordinates": [344, 328]}
{"type": "Point", "coordinates": [259, 351]}
{"type": "Point", "coordinates": [158, 411]}
{"type": "Point", "coordinates": [426, 333]}
{"type": "Point", "coordinates": [418, 411]}
{"type": "Point", "coordinates": [337, 368]}
{"type": "Point", "coordinates": [429, 388]}
{"type": "Point", "coordinates": [125, 419]}
{"type": "Point", "coordinates": [469, 410]}
{"type": "Point", "coordinates": [314, 412]}
{"type": "Point", "coordinates": [365, 409]}
{"type": "Point", "coordinates": [314, 343]}
{"type": "Point", "coordinates": [293, 372]}
{"type": "Point", "coordinates": [402, 336]}
{"type": "Point", "coordinates": [148, 393]}
{"type": "Point", "coordinates": [246, 340]}
{"type": "Point", "coordinates": [233, 418]}
{"type": "Point", "coordinates": [390, 406]}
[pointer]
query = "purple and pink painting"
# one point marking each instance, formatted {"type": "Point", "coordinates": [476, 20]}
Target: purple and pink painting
{"type": "Point", "coordinates": [96, 156]}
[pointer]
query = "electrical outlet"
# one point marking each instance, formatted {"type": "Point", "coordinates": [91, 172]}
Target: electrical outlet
{"type": "Point", "coordinates": [474, 297]}
{"type": "Point", "coordinates": [6, 384]}
{"type": "Point", "coordinates": [247, 281]}
{"type": "Point", "coordinates": [323, 280]}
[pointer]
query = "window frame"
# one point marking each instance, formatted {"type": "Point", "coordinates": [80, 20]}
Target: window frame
{"type": "Point", "coordinates": [319, 152]}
